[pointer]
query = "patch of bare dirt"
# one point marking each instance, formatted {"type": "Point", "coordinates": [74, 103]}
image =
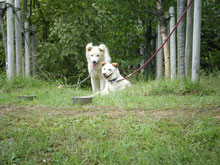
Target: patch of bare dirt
{"type": "Point", "coordinates": [5, 109]}
{"type": "Point", "coordinates": [111, 112]}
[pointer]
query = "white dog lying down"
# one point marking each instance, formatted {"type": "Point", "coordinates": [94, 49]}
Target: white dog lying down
{"type": "Point", "coordinates": [114, 81]}
{"type": "Point", "coordinates": [95, 56]}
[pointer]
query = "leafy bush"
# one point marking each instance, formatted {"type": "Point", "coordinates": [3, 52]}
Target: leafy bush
{"type": "Point", "coordinates": [2, 57]}
{"type": "Point", "coordinates": [63, 53]}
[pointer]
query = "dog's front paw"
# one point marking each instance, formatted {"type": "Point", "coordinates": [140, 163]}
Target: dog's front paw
{"type": "Point", "coordinates": [104, 92]}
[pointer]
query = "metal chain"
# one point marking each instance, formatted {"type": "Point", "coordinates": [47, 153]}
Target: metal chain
{"type": "Point", "coordinates": [62, 86]}
{"type": "Point", "coordinates": [75, 85]}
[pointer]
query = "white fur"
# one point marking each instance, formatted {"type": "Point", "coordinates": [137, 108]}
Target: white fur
{"type": "Point", "coordinates": [97, 54]}
{"type": "Point", "coordinates": [111, 72]}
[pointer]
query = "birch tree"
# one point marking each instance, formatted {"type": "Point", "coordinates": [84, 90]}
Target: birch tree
{"type": "Point", "coordinates": [189, 34]}
{"type": "Point", "coordinates": [181, 39]}
{"type": "Point", "coordinates": [196, 41]}
{"type": "Point", "coordinates": [18, 40]}
{"type": "Point", "coordinates": [172, 43]}
{"type": "Point", "coordinates": [159, 56]}
{"type": "Point", "coordinates": [27, 49]}
{"type": "Point", "coordinates": [163, 31]}
{"type": "Point", "coordinates": [10, 40]}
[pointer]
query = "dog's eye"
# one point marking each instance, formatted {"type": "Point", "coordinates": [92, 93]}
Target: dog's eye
{"type": "Point", "coordinates": [97, 55]}
{"type": "Point", "coordinates": [109, 69]}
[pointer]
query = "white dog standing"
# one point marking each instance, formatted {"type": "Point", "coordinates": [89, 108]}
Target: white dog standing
{"type": "Point", "coordinates": [95, 56]}
{"type": "Point", "coordinates": [114, 81]}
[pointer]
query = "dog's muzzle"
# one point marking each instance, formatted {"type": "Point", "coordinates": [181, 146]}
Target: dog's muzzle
{"type": "Point", "coordinates": [94, 64]}
{"type": "Point", "coordinates": [105, 76]}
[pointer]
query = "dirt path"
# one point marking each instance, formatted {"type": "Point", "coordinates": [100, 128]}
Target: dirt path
{"type": "Point", "coordinates": [113, 112]}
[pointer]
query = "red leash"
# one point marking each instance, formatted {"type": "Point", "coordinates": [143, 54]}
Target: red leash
{"type": "Point", "coordinates": [161, 45]}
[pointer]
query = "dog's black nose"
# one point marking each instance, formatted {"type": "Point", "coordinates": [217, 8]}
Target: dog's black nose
{"type": "Point", "coordinates": [94, 62]}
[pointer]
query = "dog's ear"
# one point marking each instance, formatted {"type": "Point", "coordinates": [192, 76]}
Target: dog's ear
{"type": "Point", "coordinates": [89, 47]}
{"type": "Point", "coordinates": [115, 65]}
{"type": "Point", "coordinates": [103, 63]}
{"type": "Point", "coordinates": [101, 47]}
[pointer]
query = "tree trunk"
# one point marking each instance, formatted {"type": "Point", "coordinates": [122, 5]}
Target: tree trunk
{"type": "Point", "coordinates": [34, 50]}
{"type": "Point", "coordinates": [159, 56]}
{"type": "Point", "coordinates": [45, 23]}
{"type": "Point", "coordinates": [196, 41]}
{"type": "Point", "coordinates": [142, 47]}
{"type": "Point", "coordinates": [27, 49]}
{"type": "Point", "coordinates": [189, 34]}
{"type": "Point", "coordinates": [24, 11]}
{"type": "Point", "coordinates": [172, 43]}
{"type": "Point", "coordinates": [163, 31]}
{"type": "Point", "coordinates": [4, 35]}
{"type": "Point", "coordinates": [142, 53]}
{"type": "Point", "coordinates": [30, 12]}
{"type": "Point", "coordinates": [10, 41]}
{"type": "Point", "coordinates": [181, 39]}
{"type": "Point", "coordinates": [148, 37]}
{"type": "Point", "coordinates": [18, 38]}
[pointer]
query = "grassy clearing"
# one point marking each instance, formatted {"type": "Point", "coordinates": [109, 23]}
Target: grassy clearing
{"type": "Point", "coordinates": [34, 135]}
{"type": "Point", "coordinates": [150, 123]}
{"type": "Point", "coordinates": [177, 94]}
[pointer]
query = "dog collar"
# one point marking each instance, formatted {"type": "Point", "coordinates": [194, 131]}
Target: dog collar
{"type": "Point", "coordinates": [112, 80]}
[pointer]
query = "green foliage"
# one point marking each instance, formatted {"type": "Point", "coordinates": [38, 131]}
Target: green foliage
{"type": "Point", "coordinates": [83, 22]}
{"type": "Point", "coordinates": [70, 25]}
{"type": "Point", "coordinates": [210, 42]}
{"type": "Point", "coordinates": [2, 57]}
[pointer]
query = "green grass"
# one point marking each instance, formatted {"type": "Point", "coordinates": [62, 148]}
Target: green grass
{"type": "Point", "coordinates": [166, 122]}
{"type": "Point", "coordinates": [164, 94]}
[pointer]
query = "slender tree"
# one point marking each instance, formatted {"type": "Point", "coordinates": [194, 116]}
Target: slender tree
{"type": "Point", "coordinates": [163, 31]}
{"type": "Point", "coordinates": [24, 11]}
{"type": "Point", "coordinates": [27, 49]}
{"type": "Point", "coordinates": [18, 38]}
{"type": "Point", "coordinates": [196, 41]}
{"type": "Point", "coordinates": [181, 39]}
{"type": "Point", "coordinates": [10, 40]}
{"type": "Point", "coordinates": [34, 50]}
{"type": "Point", "coordinates": [148, 38]}
{"type": "Point", "coordinates": [45, 22]}
{"type": "Point", "coordinates": [172, 44]}
{"type": "Point", "coordinates": [188, 46]}
{"type": "Point", "coordinates": [159, 56]}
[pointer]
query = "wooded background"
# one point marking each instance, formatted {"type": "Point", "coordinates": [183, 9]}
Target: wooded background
{"type": "Point", "coordinates": [128, 28]}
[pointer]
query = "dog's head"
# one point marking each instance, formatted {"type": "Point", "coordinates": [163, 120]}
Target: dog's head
{"type": "Point", "coordinates": [108, 69]}
{"type": "Point", "coordinates": [95, 54]}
